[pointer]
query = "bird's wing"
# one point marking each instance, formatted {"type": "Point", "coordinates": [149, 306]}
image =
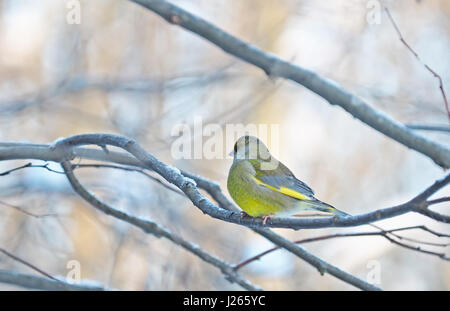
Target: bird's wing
{"type": "Point", "coordinates": [282, 180]}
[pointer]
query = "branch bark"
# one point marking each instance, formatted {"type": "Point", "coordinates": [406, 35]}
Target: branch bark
{"type": "Point", "coordinates": [11, 151]}
{"type": "Point", "coordinates": [43, 283]}
{"type": "Point", "coordinates": [189, 187]}
{"type": "Point", "coordinates": [66, 149]}
{"type": "Point", "coordinates": [63, 150]}
{"type": "Point", "coordinates": [341, 235]}
{"type": "Point", "coordinates": [153, 228]}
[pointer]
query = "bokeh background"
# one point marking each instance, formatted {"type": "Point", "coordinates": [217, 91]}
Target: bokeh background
{"type": "Point", "coordinates": [125, 70]}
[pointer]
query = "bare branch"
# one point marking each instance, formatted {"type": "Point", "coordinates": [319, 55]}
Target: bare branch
{"type": "Point", "coordinates": [437, 201]}
{"type": "Point", "coordinates": [40, 283]}
{"type": "Point", "coordinates": [81, 83]}
{"type": "Point", "coordinates": [129, 169]}
{"type": "Point", "coordinates": [30, 265]}
{"type": "Point", "coordinates": [22, 210]}
{"type": "Point", "coordinates": [325, 88]}
{"type": "Point", "coordinates": [321, 265]}
{"type": "Point", "coordinates": [29, 165]}
{"type": "Point", "coordinates": [188, 186]}
{"type": "Point", "coordinates": [153, 228]}
{"type": "Point", "coordinates": [435, 215]}
{"type": "Point", "coordinates": [416, 55]}
{"type": "Point", "coordinates": [425, 127]}
{"type": "Point", "coordinates": [424, 228]}
{"type": "Point", "coordinates": [67, 148]}
{"type": "Point", "coordinates": [10, 151]}
{"type": "Point", "coordinates": [14, 169]}
{"type": "Point", "coordinates": [382, 232]}
{"type": "Point", "coordinates": [338, 235]}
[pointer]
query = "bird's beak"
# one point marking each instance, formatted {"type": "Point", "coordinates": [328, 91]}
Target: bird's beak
{"type": "Point", "coordinates": [231, 153]}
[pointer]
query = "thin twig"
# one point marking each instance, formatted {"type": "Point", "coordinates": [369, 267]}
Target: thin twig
{"type": "Point", "coordinates": [341, 235]}
{"type": "Point", "coordinates": [29, 265]}
{"type": "Point", "coordinates": [416, 55]}
{"type": "Point", "coordinates": [142, 171]}
{"type": "Point", "coordinates": [129, 169]}
{"type": "Point", "coordinates": [386, 233]}
{"type": "Point", "coordinates": [435, 215]}
{"type": "Point", "coordinates": [68, 148]}
{"type": "Point", "coordinates": [391, 232]}
{"type": "Point", "coordinates": [41, 283]}
{"type": "Point", "coordinates": [424, 228]}
{"type": "Point", "coordinates": [273, 66]}
{"type": "Point", "coordinates": [188, 186]}
{"type": "Point", "coordinates": [437, 201]}
{"type": "Point", "coordinates": [155, 229]}
{"type": "Point", "coordinates": [14, 151]}
{"type": "Point", "coordinates": [30, 165]}
{"type": "Point", "coordinates": [425, 127]}
{"type": "Point", "coordinates": [20, 209]}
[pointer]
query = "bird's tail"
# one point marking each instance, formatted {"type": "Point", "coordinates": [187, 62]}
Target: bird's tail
{"type": "Point", "coordinates": [325, 207]}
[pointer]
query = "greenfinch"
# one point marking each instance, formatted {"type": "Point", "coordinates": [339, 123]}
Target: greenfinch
{"type": "Point", "coordinates": [262, 186]}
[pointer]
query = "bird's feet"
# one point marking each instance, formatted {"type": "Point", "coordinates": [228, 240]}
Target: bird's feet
{"type": "Point", "coordinates": [265, 219]}
{"type": "Point", "coordinates": [244, 214]}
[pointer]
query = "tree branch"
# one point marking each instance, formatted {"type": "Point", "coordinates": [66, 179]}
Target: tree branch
{"type": "Point", "coordinates": [416, 55]}
{"type": "Point", "coordinates": [65, 149]}
{"type": "Point", "coordinates": [29, 265]}
{"type": "Point", "coordinates": [189, 187]}
{"type": "Point", "coordinates": [325, 88]}
{"type": "Point", "coordinates": [142, 171]}
{"type": "Point", "coordinates": [426, 127]}
{"type": "Point", "coordinates": [11, 151]}
{"type": "Point", "coordinates": [385, 233]}
{"type": "Point", "coordinates": [435, 215]}
{"type": "Point", "coordinates": [338, 235]}
{"type": "Point", "coordinates": [48, 283]}
{"type": "Point", "coordinates": [22, 210]}
{"type": "Point", "coordinates": [41, 283]}
{"type": "Point", "coordinates": [153, 228]}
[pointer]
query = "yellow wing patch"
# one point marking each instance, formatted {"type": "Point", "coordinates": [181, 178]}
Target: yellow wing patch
{"type": "Point", "coordinates": [283, 190]}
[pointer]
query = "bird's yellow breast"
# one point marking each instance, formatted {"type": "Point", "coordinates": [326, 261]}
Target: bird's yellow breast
{"type": "Point", "coordinates": [249, 196]}
{"type": "Point", "coordinates": [251, 204]}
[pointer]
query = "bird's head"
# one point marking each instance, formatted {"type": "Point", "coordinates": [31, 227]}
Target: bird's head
{"type": "Point", "coordinates": [250, 147]}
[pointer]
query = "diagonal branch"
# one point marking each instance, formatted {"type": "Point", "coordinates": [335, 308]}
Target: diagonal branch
{"type": "Point", "coordinates": [333, 236]}
{"type": "Point", "coordinates": [41, 283]}
{"type": "Point", "coordinates": [64, 149]}
{"type": "Point", "coordinates": [189, 187]}
{"type": "Point", "coordinates": [399, 239]}
{"type": "Point", "coordinates": [382, 231]}
{"type": "Point", "coordinates": [153, 228]}
{"type": "Point", "coordinates": [353, 234]}
{"type": "Point", "coordinates": [432, 128]}
{"type": "Point", "coordinates": [216, 193]}
{"type": "Point", "coordinates": [23, 211]}
{"type": "Point", "coordinates": [416, 55]}
{"type": "Point", "coordinates": [29, 265]}
{"type": "Point", "coordinates": [325, 88]}
{"type": "Point", "coordinates": [13, 151]}
{"type": "Point", "coordinates": [435, 215]}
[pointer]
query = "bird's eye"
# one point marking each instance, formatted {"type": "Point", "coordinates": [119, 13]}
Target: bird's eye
{"type": "Point", "coordinates": [235, 147]}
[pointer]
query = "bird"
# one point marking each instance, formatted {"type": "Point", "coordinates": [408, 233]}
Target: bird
{"type": "Point", "coordinates": [264, 187]}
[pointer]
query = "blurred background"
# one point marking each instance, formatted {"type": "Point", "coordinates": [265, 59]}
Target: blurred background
{"type": "Point", "coordinates": [124, 70]}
